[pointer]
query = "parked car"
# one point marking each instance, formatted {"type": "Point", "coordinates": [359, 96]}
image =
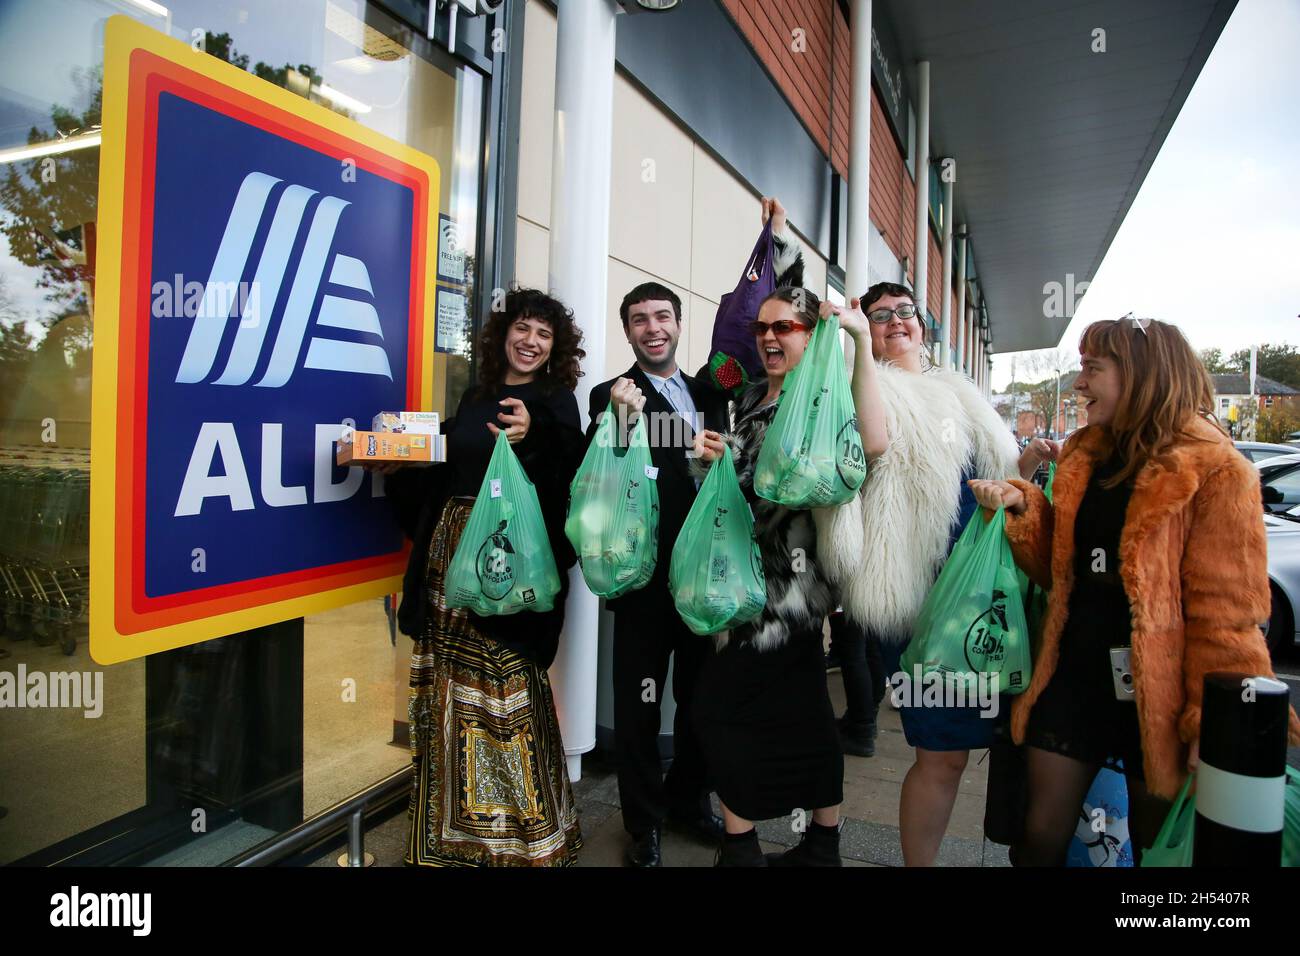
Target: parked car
{"type": "Point", "coordinates": [1257, 451]}
{"type": "Point", "coordinates": [1279, 480]}
{"type": "Point", "coordinates": [1283, 579]}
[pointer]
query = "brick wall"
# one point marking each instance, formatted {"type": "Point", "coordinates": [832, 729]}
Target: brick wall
{"type": "Point", "coordinates": [816, 84]}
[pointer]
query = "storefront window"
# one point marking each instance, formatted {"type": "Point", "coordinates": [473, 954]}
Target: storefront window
{"type": "Point", "coordinates": [176, 748]}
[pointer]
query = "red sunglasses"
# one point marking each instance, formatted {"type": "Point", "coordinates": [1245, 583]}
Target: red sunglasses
{"type": "Point", "coordinates": [780, 327]}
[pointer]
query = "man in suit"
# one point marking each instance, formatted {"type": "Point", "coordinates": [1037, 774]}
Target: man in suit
{"type": "Point", "coordinates": [647, 627]}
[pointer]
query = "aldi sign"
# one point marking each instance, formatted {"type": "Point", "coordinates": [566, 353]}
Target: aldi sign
{"type": "Point", "coordinates": [264, 273]}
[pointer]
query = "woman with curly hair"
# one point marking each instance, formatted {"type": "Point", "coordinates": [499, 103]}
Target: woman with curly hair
{"type": "Point", "coordinates": [491, 787]}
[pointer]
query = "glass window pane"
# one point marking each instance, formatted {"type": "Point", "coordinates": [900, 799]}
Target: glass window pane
{"type": "Point", "coordinates": [154, 740]}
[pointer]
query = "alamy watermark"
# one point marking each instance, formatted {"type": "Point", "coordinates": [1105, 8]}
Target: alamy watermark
{"type": "Point", "coordinates": [937, 688]}
{"type": "Point", "coordinates": [75, 690]}
{"type": "Point", "coordinates": [662, 430]}
{"type": "Point", "coordinates": [208, 300]}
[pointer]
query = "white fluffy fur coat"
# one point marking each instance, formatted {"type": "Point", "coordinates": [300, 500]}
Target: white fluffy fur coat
{"type": "Point", "coordinates": [883, 549]}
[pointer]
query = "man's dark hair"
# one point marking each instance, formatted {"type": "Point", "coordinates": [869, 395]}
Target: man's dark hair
{"type": "Point", "coordinates": [645, 292]}
{"type": "Point", "coordinates": [882, 289]}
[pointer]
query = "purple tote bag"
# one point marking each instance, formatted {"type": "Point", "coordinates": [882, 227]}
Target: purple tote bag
{"type": "Point", "coordinates": [734, 356]}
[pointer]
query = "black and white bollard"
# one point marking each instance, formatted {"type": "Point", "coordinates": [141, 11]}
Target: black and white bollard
{"type": "Point", "coordinates": [1241, 781]}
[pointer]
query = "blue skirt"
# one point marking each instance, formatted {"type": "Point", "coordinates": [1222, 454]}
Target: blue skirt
{"type": "Point", "coordinates": [943, 727]}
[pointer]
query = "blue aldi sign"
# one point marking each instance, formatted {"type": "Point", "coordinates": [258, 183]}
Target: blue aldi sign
{"type": "Point", "coordinates": [275, 271]}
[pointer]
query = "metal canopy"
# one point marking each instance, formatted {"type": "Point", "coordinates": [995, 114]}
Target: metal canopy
{"type": "Point", "coordinates": [1052, 140]}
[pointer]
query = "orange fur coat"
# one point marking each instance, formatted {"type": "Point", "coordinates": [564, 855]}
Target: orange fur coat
{"type": "Point", "coordinates": [1195, 568]}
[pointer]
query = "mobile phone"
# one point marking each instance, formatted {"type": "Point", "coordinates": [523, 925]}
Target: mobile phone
{"type": "Point", "coordinates": [1121, 672]}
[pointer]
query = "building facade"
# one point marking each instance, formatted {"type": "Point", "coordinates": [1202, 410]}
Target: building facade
{"type": "Point", "coordinates": [209, 749]}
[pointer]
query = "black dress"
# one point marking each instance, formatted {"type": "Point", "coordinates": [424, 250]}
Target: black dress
{"type": "Point", "coordinates": [764, 716]}
{"type": "Point", "coordinates": [1078, 714]}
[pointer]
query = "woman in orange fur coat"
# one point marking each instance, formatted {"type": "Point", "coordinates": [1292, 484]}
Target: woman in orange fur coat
{"type": "Point", "coordinates": [1153, 546]}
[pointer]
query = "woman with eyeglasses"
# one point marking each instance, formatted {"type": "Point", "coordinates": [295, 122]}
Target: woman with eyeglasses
{"type": "Point", "coordinates": [1153, 549]}
{"type": "Point", "coordinates": [763, 714]}
{"type": "Point", "coordinates": [884, 549]}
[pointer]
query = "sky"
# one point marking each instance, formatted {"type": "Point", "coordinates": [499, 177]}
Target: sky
{"type": "Point", "coordinates": [1212, 241]}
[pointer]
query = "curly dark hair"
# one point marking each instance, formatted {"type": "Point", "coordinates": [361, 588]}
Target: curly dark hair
{"type": "Point", "coordinates": [562, 369]}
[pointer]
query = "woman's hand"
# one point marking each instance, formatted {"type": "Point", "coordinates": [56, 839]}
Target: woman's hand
{"type": "Point", "coordinates": [852, 320]}
{"type": "Point", "coordinates": [381, 467]}
{"type": "Point", "coordinates": [709, 446]}
{"type": "Point", "coordinates": [998, 494]}
{"type": "Point", "coordinates": [1194, 756]}
{"type": "Point", "coordinates": [772, 209]}
{"type": "Point", "coordinates": [1045, 449]}
{"type": "Point", "coordinates": [1036, 452]}
{"type": "Point", "coordinates": [516, 421]}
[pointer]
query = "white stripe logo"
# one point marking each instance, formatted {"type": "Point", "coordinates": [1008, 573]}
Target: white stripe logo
{"type": "Point", "coordinates": [352, 315]}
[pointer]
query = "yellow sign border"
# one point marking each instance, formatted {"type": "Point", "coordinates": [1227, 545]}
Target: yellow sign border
{"type": "Point", "coordinates": [122, 36]}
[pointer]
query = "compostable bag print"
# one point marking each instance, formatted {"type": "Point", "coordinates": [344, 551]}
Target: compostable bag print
{"type": "Point", "coordinates": [973, 622]}
{"type": "Point", "coordinates": [503, 563]}
{"type": "Point", "coordinates": [613, 520]}
{"type": "Point", "coordinates": [812, 454]}
{"type": "Point", "coordinates": [716, 574]}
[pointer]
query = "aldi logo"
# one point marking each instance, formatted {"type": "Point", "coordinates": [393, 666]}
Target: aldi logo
{"type": "Point", "coordinates": [275, 266]}
{"type": "Point", "coordinates": [229, 266]}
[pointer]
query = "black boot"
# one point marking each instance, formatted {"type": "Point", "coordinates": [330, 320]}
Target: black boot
{"type": "Point", "coordinates": [740, 849]}
{"type": "Point", "coordinates": [856, 739]}
{"type": "Point", "coordinates": [820, 846]}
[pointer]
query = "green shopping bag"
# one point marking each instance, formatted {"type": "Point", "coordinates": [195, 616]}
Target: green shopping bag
{"type": "Point", "coordinates": [812, 454]}
{"type": "Point", "coordinates": [716, 574]}
{"type": "Point", "coordinates": [613, 520]}
{"type": "Point", "coordinates": [1291, 819]}
{"type": "Point", "coordinates": [972, 622]}
{"type": "Point", "coordinates": [1173, 846]}
{"type": "Point", "coordinates": [503, 563]}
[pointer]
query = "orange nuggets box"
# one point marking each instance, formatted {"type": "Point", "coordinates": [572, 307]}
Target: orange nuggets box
{"type": "Point", "coordinates": [390, 446]}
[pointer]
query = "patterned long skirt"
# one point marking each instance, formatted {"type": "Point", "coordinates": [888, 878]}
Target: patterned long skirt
{"type": "Point", "coordinates": [491, 785]}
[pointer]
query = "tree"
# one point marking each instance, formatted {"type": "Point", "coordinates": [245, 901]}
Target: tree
{"type": "Point", "coordinates": [1279, 362]}
{"type": "Point", "coordinates": [1215, 363]}
{"type": "Point", "coordinates": [1275, 424]}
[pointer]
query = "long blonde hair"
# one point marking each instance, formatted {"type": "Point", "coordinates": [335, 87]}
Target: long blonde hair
{"type": "Point", "coordinates": [1164, 388]}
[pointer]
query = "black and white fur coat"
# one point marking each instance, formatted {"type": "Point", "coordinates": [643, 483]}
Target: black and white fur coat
{"type": "Point", "coordinates": [883, 549]}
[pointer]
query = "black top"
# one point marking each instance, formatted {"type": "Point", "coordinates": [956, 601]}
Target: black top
{"type": "Point", "coordinates": [668, 449]}
{"type": "Point", "coordinates": [1077, 714]}
{"type": "Point", "coordinates": [1099, 608]}
{"type": "Point", "coordinates": [469, 452]}
{"type": "Point", "coordinates": [549, 454]}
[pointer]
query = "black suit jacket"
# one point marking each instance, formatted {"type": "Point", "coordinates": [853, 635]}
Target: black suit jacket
{"type": "Point", "coordinates": [675, 483]}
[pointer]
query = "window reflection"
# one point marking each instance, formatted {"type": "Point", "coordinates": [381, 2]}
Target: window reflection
{"type": "Point", "coordinates": [158, 748]}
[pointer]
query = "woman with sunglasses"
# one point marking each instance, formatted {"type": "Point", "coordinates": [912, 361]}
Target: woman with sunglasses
{"type": "Point", "coordinates": [884, 549]}
{"type": "Point", "coordinates": [763, 713]}
{"type": "Point", "coordinates": [1152, 507]}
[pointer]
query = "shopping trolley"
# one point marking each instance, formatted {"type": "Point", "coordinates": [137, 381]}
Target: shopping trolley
{"type": "Point", "coordinates": [44, 550]}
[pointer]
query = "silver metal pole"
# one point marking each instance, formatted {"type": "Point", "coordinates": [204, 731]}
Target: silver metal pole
{"type": "Point", "coordinates": [579, 246]}
{"type": "Point", "coordinates": [965, 340]}
{"type": "Point", "coordinates": [859, 211]}
{"type": "Point", "coordinates": [945, 296]}
{"type": "Point", "coordinates": [921, 251]}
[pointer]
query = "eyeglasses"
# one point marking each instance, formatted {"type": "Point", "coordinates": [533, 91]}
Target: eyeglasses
{"type": "Point", "coordinates": [904, 311]}
{"type": "Point", "coordinates": [1139, 324]}
{"type": "Point", "coordinates": [780, 327]}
